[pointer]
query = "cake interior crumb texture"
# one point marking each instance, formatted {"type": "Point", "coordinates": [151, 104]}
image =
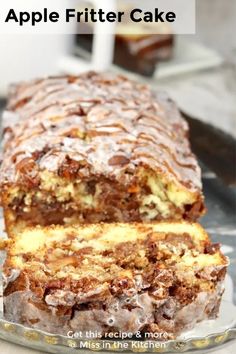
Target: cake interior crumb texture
{"type": "Point", "coordinates": [149, 277]}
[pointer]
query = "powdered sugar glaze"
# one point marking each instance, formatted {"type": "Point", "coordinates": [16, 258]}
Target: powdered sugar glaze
{"type": "Point", "coordinates": [107, 123]}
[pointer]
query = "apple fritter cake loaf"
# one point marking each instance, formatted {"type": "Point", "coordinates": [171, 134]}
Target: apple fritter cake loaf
{"type": "Point", "coordinates": [151, 277]}
{"type": "Point", "coordinates": [94, 148]}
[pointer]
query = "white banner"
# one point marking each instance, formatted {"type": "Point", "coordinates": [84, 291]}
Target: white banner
{"type": "Point", "coordinates": [106, 16]}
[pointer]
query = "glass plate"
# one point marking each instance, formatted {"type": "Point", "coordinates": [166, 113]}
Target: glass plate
{"type": "Point", "coordinates": [205, 335]}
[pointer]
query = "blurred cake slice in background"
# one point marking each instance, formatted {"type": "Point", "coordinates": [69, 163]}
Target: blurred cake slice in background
{"type": "Point", "coordinates": [139, 47]}
{"type": "Point", "coordinates": [136, 53]}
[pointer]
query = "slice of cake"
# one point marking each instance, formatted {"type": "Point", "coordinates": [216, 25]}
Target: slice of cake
{"type": "Point", "coordinates": [157, 277]}
{"type": "Point", "coordinates": [138, 47]}
{"type": "Point", "coordinates": [94, 148]}
{"type": "Point", "coordinates": [139, 53]}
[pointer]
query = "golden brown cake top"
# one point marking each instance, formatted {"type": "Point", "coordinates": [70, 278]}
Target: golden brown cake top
{"type": "Point", "coordinates": [94, 124]}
